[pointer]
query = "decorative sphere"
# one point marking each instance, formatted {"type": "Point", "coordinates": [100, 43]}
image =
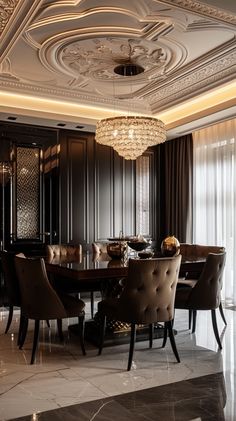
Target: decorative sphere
{"type": "Point", "coordinates": [170, 246]}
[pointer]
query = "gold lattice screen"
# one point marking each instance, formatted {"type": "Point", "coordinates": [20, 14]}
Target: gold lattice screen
{"type": "Point", "coordinates": [27, 192]}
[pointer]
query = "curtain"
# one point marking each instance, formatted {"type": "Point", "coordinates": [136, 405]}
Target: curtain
{"type": "Point", "coordinates": [176, 162]}
{"type": "Point", "coordinates": [214, 194]}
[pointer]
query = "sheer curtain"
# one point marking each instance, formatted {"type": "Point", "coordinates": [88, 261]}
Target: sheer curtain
{"type": "Point", "coordinates": [214, 194]}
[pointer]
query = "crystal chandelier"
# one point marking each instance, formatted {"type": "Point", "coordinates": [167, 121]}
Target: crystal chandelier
{"type": "Point", "coordinates": [128, 135]}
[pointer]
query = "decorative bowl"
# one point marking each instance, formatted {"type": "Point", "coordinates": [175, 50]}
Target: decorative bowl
{"type": "Point", "coordinates": [145, 254]}
{"type": "Point", "coordinates": [138, 245]}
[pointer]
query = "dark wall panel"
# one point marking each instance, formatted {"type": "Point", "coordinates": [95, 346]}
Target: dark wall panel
{"type": "Point", "coordinates": [77, 195]}
{"type": "Point", "coordinates": [98, 193]}
{"type": "Point", "coordinates": [104, 208]}
{"type": "Point", "coordinates": [91, 194]}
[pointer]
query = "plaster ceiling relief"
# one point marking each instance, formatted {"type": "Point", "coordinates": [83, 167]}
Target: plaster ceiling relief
{"type": "Point", "coordinates": [7, 8]}
{"type": "Point", "coordinates": [69, 49]}
{"type": "Point", "coordinates": [5, 70]}
{"type": "Point", "coordinates": [94, 61]}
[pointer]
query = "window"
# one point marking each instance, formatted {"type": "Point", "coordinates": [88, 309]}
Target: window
{"type": "Point", "coordinates": [214, 194]}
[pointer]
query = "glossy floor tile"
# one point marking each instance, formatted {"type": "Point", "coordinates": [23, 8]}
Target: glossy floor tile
{"type": "Point", "coordinates": [71, 386]}
{"type": "Point", "coordinates": [201, 398]}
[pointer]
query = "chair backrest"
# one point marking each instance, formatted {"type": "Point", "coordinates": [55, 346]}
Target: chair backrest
{"type": "Point", "coordinates": [99, 247]}
{"type": "Point", "coordinates": [206, 293]}
{"type": "Point", "coordinates": [38, 299]}
{"type": "Point", "coordinates": [197, 250]}
{"type": "Point", "coordinates": [149, 292]}
{"type": "Point", "coordinates": [10, 278]}
{"type": "Point", "coordinates": [99, 250]}
{"type": "Point", "coordinates": [56, 250]}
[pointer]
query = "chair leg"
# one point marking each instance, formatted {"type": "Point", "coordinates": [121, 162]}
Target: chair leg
{"type": "Point", "coordinates": [92, 303]}
{"type": "Point", "coordinates": [164, 336]}
{"type": "Point", "coordinates": [22, 331]}
{"type": "Point", "coordinates": [9, 320]}
{"type": "Point", "coordinates": [102, 333]}
{"type": "Point", "coordinates": [172, 340]}
{"type": "Point", "coordinates": [194, 315]}
{"type": "Point", "coordinates": [189, 319]}
{"type": "Point", "coordinates": [36, 340]}
{"type": "Point", "coordinates": [59, 328]}
{"type": "Point", "coordinates": [131, 346]}
{"type": "Point", "coordinates": [222, 314]}
{"type": "Point", "coordinates": [81, 333]}
{"type": "Point", "coordinates": [215, 328]}
{"type": "Point", "coordinates": [151, 329]}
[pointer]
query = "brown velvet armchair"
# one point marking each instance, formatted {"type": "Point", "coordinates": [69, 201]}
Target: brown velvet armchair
{"type": "Point", "coordinates": [197, 251]}
{"type": "Point", "coordinates": [71, 252]}
{"type": "Point", "coordinates": [11, 283]}
{"type": "Point", "coordinates": [148, 297]}
{"type": "Point", "coordinates": [39, 301]}
{"type": "Point", "coordinates": [54, 250]}
{"type": "Point", "coordinates": [205, 293]}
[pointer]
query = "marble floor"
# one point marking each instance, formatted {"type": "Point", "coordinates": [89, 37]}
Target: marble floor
{"type": "Point", "coordinates": [64, 385]}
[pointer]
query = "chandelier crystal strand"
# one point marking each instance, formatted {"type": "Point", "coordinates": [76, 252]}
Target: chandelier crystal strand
{"type": "Point", "coordinates": [130, 136]}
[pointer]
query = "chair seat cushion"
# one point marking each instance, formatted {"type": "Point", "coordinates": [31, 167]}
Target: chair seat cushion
{"type": "Point", "coordinates": [183, 283]}
{"type": "Point", "coordinates": [182, 296]}
{"type": "Point", "coordinates": [110, 307]}
{"type": "Point", "coordinates": [73, 305]}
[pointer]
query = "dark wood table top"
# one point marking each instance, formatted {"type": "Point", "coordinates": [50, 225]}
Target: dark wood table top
{"type": "Point", "coordinates": [88, 266]}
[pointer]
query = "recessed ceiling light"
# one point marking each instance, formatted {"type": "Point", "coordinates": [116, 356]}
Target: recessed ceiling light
{"type": "Point", "coordinates": [61, 124]}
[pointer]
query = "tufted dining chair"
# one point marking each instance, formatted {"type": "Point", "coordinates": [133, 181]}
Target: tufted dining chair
{"type": "Point", "coordinates": [147, 298]}
{"type": "Point", "coordinates": [205, 293]}
{"type": "Point", "coordinates": [11, 283]}
{"type": "Point", "coordinates": [39, 301]}
{"type": "Point", "coordinates": [71, 252]}
{"type": "Point", "coordinates": [56, 250]}
{"type": "Point", "coordinates": [99, 248]}
{"type": "Point", "coordinates": [191, 252]}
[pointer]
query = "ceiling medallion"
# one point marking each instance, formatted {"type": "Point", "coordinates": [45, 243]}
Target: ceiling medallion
{"type": "Point", "coordinates": [96, 58]}
{"type": "Point", "coordinates": [130, 136]}
{"type": "Point", "coordinates": [129, 69]}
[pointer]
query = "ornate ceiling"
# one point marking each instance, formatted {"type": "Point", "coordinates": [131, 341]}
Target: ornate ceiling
{"type": "Point", "coordinates": [65, 51]}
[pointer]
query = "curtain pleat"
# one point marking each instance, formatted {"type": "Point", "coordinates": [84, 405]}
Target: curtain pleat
{"type": "Point", "coordinates": [214, 194]}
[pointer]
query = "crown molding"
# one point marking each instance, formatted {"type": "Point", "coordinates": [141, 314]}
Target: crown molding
{"type": "Point", "coordinates": [206, 77]}
{"type": "Point", "coordinates": [10, 85]}
{"type": "Point", "coordinates": [212, 13]}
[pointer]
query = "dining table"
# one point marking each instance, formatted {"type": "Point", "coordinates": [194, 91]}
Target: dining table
{"type": "Point", "coordinates": [101, 273]}
{"type": "Point", "coordinates": [89, 269]}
